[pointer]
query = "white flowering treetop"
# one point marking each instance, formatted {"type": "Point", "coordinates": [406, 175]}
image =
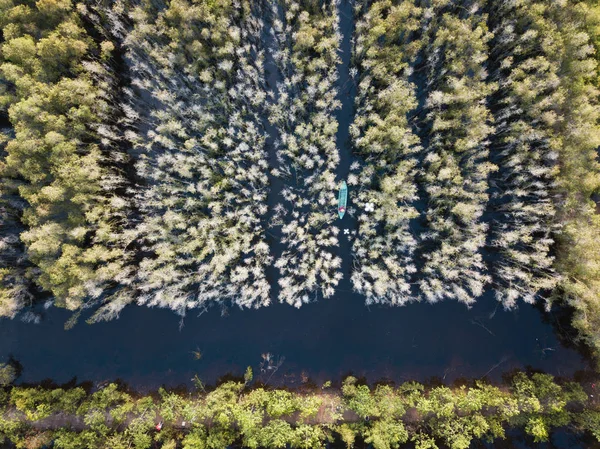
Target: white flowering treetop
{"type": "Point", "coordinates": [199, 78]}
{"type": "Point", "coordinates": [306, 53]}
{"type": "Point", "coordinates": [456, 167]}
{"type": "Point", "coordinates": [474, 153]}
{"type": "Point", "coordinates": [384, 183]}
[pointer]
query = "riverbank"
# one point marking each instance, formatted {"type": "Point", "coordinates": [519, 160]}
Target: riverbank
{"type": "Point", "coordinates": [243, 412]}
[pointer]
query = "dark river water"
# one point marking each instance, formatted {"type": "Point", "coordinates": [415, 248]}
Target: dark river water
{"type": "Point", "coordinates": [323, 340]}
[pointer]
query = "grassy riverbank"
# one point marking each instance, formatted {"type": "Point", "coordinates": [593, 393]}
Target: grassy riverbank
{"type": "Point", "coordinates": [241, 413]}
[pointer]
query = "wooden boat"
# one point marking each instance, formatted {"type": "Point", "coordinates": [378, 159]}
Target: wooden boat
{"type": "Point", "coordinates": [342, 199]}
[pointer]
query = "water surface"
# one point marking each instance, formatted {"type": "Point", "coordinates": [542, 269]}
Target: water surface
{"type": "Point", "coordinates": [324, 340]}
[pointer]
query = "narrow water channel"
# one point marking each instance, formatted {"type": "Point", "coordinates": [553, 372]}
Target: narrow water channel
{"type": "Point", "coordinates": [345, 116]}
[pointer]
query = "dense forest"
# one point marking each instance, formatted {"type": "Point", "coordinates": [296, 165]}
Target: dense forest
{"type": "Point", "coordinates": [247, 414]}
{"type": "Point", "coordinates": [148, 155]}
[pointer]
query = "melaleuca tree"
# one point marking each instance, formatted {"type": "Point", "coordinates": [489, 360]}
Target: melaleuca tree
{"type": "Point", "coordinates": [193, 117]}
{"type": "Point", "coordinates": [460, 416]}
{"type": "Point", "coordinates": [384, 181]}
{"type": "Point", "coordinates": [578, 252]}
{"type": "Point", "coordinates": [589, 14]}
{"type": "Point", "coordinates": [455, 164]}
{"type": "Point", "coordinates": [542, 403]}
{"type": "Point", "coordinates": [546, 146]}
{"type": "Point", "coordinates": [306, 43]}
{"type": "Point", "coordinates": [55, 101]}
{"type": "Point", "coordinates": [529, 104]}
{"type": "Point", "coordinates": [16, 289]}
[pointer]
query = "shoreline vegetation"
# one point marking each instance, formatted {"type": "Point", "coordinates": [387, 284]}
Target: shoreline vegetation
{"type": "Point", "coordinates": [241, 413]}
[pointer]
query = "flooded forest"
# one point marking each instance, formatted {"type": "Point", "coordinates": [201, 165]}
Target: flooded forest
{"type": "Point", "coordinates": [299, 224]}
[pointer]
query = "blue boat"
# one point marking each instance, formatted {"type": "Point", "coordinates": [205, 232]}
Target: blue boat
{"type": "Point", "coordinates": [342, 199]}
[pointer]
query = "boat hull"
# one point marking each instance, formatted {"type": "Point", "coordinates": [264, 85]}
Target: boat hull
{"type": "Point", "coordinates": [342, 200]}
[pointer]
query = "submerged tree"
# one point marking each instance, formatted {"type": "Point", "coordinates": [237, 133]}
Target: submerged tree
{"type": "Point", "coordinates": [386, 47]}
{"type": "Point", "coordinates": [194, 117]}
{"type": "Point", "coordinates": [456, 161]}
{"type": "Point", "coordinates": [305, 49]}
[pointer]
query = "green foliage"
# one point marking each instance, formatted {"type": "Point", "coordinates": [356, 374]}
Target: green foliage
{"type": "Point", "coordinates": [280, 402]}
{"type": "Point", "coordinates": [38, 403]}
{"type": "Point", "coordinates": [424, 441]}
{"type": "Point", "coordinates": [309, 406]}
{"type": "Point", "coordinates": [171, 405]}
{"type": "Point", "coordinates": [386, 434]}
{"type": "Point", "coordinates": [276, 434]}
{"type": "Point", "coordinates": [195, 439]}
{"type": "Point", "coordinates": [591, 12]}
{"type": "Point", "coordinates": [578, 256]}
{"type": "Point", "coordinates": [308, 437]}
{"type": "Point", "coordinates": [589, 420]}
{"type": "Point", "coordinates": [383, 417]}
{"type": "Point", "coordinates": [543, 403]}
{"type": "Point", "coordinates": [7, 374]}
{"type": "Point", "coordinates": [67, 439]}
{"type": "Point", "coordinates": [390, 405]}
{"type": "Point", "coordinates": [248, 375]}
{"type": "Point", "coordinates": [220, 403]}
{"type": "Point", "coordinates": [220, 436]}
{"type": "Point", "coordinates": [461, 415]}
{"type": "Point", "coordinates": [358, 398]}
{"type": "Point", "coordinates": [347, 434]}
{"type": "Point", "coordinates": [107, 400]}
{"type": "Point", "coordinates": [52, 102]}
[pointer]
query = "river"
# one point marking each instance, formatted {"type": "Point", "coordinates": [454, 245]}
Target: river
{"type": "Point", "coordinates": [321, 341]}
